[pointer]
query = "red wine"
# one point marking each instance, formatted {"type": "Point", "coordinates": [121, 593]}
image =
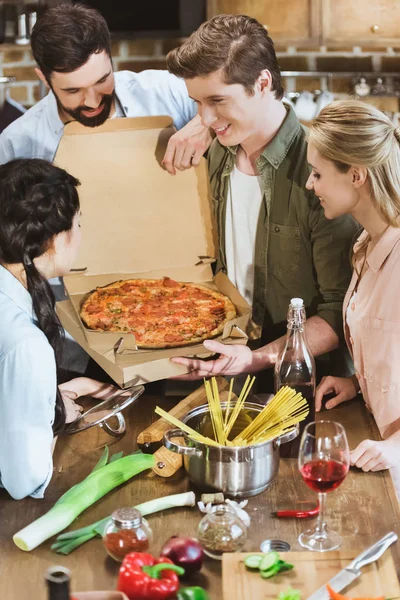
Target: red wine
{"type": "Point", "coordinates": [323, 475]}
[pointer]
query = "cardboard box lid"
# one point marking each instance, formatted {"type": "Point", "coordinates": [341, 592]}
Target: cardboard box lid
{"type": "Point", "coordinates": [135, 216]}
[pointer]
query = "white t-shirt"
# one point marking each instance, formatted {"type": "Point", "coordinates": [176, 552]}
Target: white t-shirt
{"type": "Point", "coordinates": [242, 214]}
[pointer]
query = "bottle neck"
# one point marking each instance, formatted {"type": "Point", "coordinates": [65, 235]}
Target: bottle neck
{"type": "Point", "coordinates": [58, 579]}
{"type": "Point", "coordinates": [221, 513]}
{"type": "Point", "coordinates": [296, 317]}
{"type": "Point", "coordinates": [295, 335]}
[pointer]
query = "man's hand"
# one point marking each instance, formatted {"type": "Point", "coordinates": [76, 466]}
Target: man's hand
{"type": "Point", "coordinates": [233, 360]}
{"type": "Point", "coordinates": [345, 388]}
{"type": "Point", "coordinates": [375, 456]}
{"type": "Point", "coordinates": [187, 146]}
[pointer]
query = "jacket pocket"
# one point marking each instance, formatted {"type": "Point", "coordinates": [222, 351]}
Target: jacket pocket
{"type": "Point", "coordinates": [381, 352]}
{"type": "Point", "coordinates": [284, 249]}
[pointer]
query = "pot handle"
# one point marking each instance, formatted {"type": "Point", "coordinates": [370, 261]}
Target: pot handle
{"type": "Point", "coordinates": [289, 435]}
{"type": "Point", "coordinates": [121, 425]}
{"type": "Point", "coordinates": [178, 448]}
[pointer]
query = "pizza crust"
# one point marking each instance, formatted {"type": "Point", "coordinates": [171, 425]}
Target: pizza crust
{"type": "Point", "coordinates": [224, 310]}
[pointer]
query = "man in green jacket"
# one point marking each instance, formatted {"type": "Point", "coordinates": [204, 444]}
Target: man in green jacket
{"type": "Point", "coordinates": [274, 241]}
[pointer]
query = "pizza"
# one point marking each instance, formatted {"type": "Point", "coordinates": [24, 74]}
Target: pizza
{"type": "Point", "coordinates": [161, 313]}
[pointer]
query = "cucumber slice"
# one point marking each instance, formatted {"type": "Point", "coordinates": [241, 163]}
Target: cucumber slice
{"type": "Point", "coordinates": [270, 572]}
{"type": "Point", "coordinates": [253, 561]}
{"type": "Point", "coordinates": [284, 566]}
{"type": "Point", "coordinates": [269, 560]}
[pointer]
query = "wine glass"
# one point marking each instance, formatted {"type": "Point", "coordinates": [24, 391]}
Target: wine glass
{"type": "Point", "coordinates": [324, 460]}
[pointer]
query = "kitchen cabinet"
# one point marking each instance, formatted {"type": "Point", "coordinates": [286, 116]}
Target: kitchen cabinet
{"type": "Point", "coordinates": [314, 22]}
{"type": "Point", "coordinates": [360, 23]}
{"type": "Point", "coordinates": [294, 22]}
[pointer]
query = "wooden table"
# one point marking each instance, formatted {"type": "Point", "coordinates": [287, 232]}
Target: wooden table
{"type": "Point", "coordinates": [362, 510]}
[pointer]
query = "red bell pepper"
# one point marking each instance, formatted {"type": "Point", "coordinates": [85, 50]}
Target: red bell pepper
{"type": "Point", "coordinates": [143, 577]}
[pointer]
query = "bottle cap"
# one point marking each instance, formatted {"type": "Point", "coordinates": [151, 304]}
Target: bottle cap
{"type": "Point", "coordinates": [277, 545]}
{"type": "Point", "coordinates": [297, 302]}
{"type": "Point", "coordinates": [126, 518]}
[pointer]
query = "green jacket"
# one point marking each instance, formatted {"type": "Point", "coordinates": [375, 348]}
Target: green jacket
{"type": "Point", "coordinates": [299, 253]}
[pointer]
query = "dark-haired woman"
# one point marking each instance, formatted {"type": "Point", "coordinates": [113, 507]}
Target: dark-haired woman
{"type": "Point", "coordinates": [39, 239]}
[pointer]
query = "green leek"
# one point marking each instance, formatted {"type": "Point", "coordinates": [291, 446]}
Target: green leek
{"type": "Point", "coordinates": [99, 482]}
{"type": "Point", "coordinates": [67, 542]}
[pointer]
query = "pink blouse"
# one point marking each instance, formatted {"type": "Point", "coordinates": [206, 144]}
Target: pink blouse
{"type": "Point", "coordinates": [372, 332]}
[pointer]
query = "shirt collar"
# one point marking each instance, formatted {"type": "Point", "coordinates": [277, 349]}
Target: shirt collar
{"type": "Point", "coordinates": [52, 113]}
{"type": "Point", "coordinates": [383, 248]}
{"type": "Point", "coordinates": [122, 97]}
{"type": "Point", "coordinates": [11, 287]}
{"type": "Point", "coordinates": [278, 147]}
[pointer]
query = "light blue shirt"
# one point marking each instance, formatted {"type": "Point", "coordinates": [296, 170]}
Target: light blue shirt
{"type": "Point", "coordinates": [37, 133]}
{"type": "Point", "coordinates": [28, 383]}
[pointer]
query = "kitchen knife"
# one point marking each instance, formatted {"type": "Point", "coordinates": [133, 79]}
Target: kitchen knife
{"type": "Point", "coordinates": [352, 571]}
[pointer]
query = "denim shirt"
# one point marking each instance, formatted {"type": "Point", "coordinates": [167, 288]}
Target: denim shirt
{"type": "Point", "coordinates": [298, 252]}
{"type": "Point", "coordinates": [150, 93]}
{"type": "Point", "coordinates": [28, 383]}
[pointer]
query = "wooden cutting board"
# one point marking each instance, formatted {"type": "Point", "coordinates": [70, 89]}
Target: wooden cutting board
{"type": "Point", "coordinates": [311, 571]}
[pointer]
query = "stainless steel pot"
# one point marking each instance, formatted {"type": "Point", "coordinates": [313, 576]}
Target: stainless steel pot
{"type": "Point", "coordinates": [239, 471]}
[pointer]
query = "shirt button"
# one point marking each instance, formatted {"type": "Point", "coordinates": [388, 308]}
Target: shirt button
{"type": "Point", "coordinates": [352, 306]}
{"type": "Point", "coordinates": [277, 229]}
{"type": "Point", "coordinates": [351, 340]}
{"type": "Point", "coordinates": [226, 167]}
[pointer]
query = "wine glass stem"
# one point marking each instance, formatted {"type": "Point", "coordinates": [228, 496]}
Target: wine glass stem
{"type": "Point", "coordinates": [321, 526]}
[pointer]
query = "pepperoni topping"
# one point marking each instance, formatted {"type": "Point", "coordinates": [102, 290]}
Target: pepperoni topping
{"type": "Point", "coordinates": [128, 301]}
{"type": "Point", "coordinates": [170, 337]}
{"type": "Point", "coordinates": [92, 308]}
{"type": "Point", "coordinates": [167, 282]}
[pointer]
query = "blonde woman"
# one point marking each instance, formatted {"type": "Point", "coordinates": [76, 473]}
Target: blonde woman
{"type": "Point", "coordinates": [354, 153]}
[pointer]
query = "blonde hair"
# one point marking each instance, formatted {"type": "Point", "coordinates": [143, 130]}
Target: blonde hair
{"type": "Point", "coordinates": [350, 132]}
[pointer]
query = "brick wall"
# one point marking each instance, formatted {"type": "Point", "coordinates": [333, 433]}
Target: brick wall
{"type": "Point", "coordinates": [137, 55]}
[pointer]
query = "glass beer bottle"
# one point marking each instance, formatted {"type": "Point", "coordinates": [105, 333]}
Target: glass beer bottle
{"type": "Point", "coordinates": [295, 367]}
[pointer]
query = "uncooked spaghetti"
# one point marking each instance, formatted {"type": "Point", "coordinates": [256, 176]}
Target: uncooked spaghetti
{"type": "Point", "coordinates": [282, 413]}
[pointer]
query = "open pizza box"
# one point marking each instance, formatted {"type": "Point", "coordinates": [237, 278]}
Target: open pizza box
{"type": "Point", "coordinates": [139, 222]}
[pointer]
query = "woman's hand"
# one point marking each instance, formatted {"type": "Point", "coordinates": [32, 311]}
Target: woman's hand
{"type": "Point", "coordinates": [371, 455]}
{"type": "Point", "coordinates": [84, 386]}
{"type": "Point", "coordinates": [72, 410]}
{"type": "Point", "coordinates": [233, 360]}
{"type": "Point", "coordinates": [345, 388]}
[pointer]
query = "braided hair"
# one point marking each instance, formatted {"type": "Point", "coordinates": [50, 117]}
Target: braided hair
{"type": "Point", "coordinates": [37, 202]}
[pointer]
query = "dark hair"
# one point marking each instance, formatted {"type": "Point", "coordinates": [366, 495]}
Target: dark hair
{"type": "Point", "coordinates": [37, 202]}
{"type": "Point", "coordinates": [65, 37]}
{"type": "Point", "coordinates": [237, 44]}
